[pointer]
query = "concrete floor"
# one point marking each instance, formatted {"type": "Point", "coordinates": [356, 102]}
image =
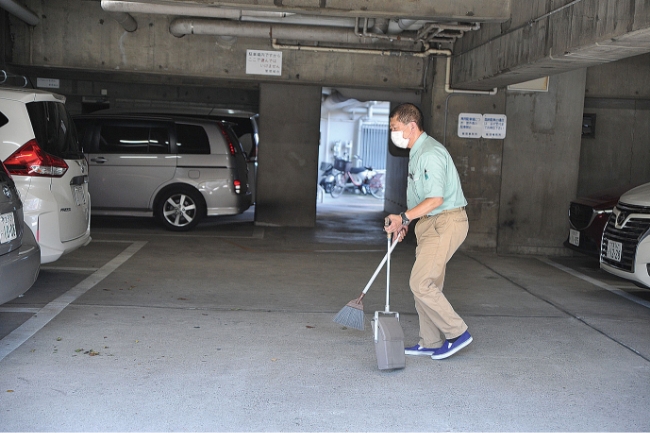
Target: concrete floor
{"type": "Point", "coordinates": [229, 328]}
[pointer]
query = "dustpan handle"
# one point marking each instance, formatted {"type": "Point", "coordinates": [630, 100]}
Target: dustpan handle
{"type": "Point", "coordinates": [387, 308]}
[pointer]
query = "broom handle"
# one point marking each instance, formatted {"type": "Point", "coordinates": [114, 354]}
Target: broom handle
{"type": "Point", "coordinates": [381, 265]}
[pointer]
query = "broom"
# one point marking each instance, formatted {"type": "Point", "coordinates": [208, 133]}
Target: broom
{"type": "Point", "coordinates": [352, 314]}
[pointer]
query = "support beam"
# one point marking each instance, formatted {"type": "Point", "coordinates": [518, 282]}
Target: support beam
{"type": "Point", "coordinates": [587, 33]}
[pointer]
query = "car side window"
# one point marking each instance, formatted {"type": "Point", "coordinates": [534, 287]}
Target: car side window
{"type": "Point", "coordinates": [192, 140]}
{"type": "Point", "coordinates": [118, 138]}
{"type": "Point", "coordinates": [158, 140]}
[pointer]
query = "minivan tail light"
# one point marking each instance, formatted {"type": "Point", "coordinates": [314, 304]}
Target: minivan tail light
{"type": "Point", "coordinates": [237, 184]}
{"type": "Point", "coordinates": [231, 146]}
{"type": "Point", "coordinates": [31, 160]}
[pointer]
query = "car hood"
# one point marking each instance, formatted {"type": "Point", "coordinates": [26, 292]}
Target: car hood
{"type": "Point", "coordinates": [605, 199]}
{"type": "Point", "coordinates": [639, 196]}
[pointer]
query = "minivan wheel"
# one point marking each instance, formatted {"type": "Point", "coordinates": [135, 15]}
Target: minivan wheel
{"type": "Point", "coordinates": [180, 208]}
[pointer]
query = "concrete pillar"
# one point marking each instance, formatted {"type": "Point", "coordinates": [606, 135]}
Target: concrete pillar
{"type": "Point", "coordinates": [541, 159]}
{"type": "Point", "coordinates": [478, 160]}
{"type": "Point", "coordinates": [288, 155]}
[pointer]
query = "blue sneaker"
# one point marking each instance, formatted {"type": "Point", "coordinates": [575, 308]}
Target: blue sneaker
{"type": "Point", "coordinates": [418, 350]}
{"type": "Point", "coordinates": [448, 348]}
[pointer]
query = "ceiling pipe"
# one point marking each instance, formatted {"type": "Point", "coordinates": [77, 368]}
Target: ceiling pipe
{"type": "Point", "coordinates": [19, 11]}
{"type": "Point", "coordinates": [170, 9]}
{"type": "Point", "coordinates": [127, 22]}
{"type": "Point", "coordinates": [201, 26]}
{"type": "Point", "coordinates": [6, 75]}
{"type": "Point", "coordinates": [376, 52]}
{"type": "Point", "coordinates": [313, 20]}
{"type": "Point", "coordinates": [427, 53]}
{"type": "Point", "coordinates": [448, 88]}
{"type": "Point", "coordinates": [365, 34]}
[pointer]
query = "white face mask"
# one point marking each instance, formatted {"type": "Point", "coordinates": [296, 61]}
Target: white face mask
{"type": "Point", "coordinates": [397, 137]}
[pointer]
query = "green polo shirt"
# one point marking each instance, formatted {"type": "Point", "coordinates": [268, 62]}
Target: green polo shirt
{"type": "Point", "coordinates": [432, 173]}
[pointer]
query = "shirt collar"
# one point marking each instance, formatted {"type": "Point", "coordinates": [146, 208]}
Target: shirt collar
{"type": "Point", "coordinates": [419, 142]}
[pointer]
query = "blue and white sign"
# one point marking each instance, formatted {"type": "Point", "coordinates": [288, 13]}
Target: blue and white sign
{"type": "Point", "coordinates": [494, 126]}
{"type": "Point", "coordinates": [475, 125]}
{"type": "Point", "coordinates": [470, 125]}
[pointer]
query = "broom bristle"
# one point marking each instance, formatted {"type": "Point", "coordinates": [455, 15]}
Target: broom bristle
{"type": "Point", "coordinates": [351, 315]}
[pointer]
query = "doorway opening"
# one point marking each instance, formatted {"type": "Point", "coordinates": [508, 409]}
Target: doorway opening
{"type": "Point", "coordinates": [352, 153]}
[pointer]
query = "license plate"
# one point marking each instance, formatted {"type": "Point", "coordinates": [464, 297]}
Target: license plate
{"type": "Point", "coordinates": [614, 250]}
{"type": "Point", "coordinates": [7, 228]}
{"type": "Point", "coordinates": [79, 195]}
{"type": "Point", "coordinates": [574, 237]}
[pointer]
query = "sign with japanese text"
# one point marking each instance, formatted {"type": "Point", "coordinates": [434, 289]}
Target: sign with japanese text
{"type": "Point", "coordinates": [475, 125]}
{"type": "Point", "coordinates": [263, 62]}
{"type": "Point", "coordinates": [494, 126]}
{"type": "Point", "coordinates": [470, 125]}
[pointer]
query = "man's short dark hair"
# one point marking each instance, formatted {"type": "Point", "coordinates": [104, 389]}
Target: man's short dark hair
{"type": "Point", "coordinates": [407, 113]}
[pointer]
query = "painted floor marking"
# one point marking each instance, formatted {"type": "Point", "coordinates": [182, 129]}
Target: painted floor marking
{"type": "Point", "coordinates": [25, 331]}
{"type": "Point", "coordinates": [258, 233]}
{"type": "Point", "coordinates": [19, 310]}
{"type": "Point", "coordinates": [67, 269]}
{"type": "Point", "coordinates": [598, 283]}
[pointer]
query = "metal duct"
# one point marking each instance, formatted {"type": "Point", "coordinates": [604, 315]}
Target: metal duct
{"type": "Point", "coordinates": [227, 13]}
{"type": "Point", "coordinates": [170, 9]}
{"type": "Point", "coordinates": [19, 11]}
{"type": "Point", "coordinates": [187, 10]}
{"type": "Point", "coordinates": [198, 26]}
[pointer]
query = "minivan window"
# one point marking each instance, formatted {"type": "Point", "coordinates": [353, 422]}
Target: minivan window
{"type": "Point", "coordinates": [54, 130]}
{"type": "Point", "coordinates": [192, 140]}
{"type": "Point", "coordinates": [116, 138]}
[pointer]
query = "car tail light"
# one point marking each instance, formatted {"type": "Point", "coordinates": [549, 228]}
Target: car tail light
{"type": "Point", "coordinates": [31, 160]}
{"type": "Point", "coordinates": [231, 146]}
{"type": "Point", "coordinates": [237, 184]}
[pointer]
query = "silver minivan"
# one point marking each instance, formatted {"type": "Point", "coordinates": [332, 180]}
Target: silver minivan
{"type": "Point", "coordinates": [177, 169]}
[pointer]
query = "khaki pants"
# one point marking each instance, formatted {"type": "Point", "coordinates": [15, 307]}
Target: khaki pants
{"type": "Point", "coordinates": [438, 238]}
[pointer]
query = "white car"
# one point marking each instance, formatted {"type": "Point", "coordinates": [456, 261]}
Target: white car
{"type": "Point", "coordinates": [625, 249]}
{"type": "Point", "coordinates": [39, 147]}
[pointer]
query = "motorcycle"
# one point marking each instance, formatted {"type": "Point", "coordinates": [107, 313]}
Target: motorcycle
{"type": "Point", "coordinates": [364, 179]}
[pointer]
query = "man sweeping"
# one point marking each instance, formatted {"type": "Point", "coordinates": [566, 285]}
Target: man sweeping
{"type": "Point", "coordinates": [435, 197]}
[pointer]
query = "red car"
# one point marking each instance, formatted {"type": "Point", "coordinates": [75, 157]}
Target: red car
{"type": "Point", "coordinates": [588, 216]}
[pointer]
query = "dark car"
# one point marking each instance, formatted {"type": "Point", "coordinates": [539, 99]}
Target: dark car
{"type": "Point", "coordinates": [20, 255]}
{"type": "Point", "coordinates": [588, 216]}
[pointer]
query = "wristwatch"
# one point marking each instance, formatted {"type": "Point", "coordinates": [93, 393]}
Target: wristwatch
{"type": "Point", "coordinates": [405, 220]}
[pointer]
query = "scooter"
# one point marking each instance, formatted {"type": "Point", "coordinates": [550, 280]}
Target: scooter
{"type": "Point", "coordinates": [327, 179]}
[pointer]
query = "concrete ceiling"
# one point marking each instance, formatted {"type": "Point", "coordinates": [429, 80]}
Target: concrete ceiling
{"type": "Point", "coordinates": [493, 43]}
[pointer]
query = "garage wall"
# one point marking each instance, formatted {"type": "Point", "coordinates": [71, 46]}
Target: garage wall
{"type": "Point", "coordinates": [540, 166]}
{"type": "Point", "coordinates": [619, 95]}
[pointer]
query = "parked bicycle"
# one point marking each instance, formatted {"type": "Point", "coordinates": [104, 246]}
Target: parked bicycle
{"type": "Point", "coordinates": [364, 179]}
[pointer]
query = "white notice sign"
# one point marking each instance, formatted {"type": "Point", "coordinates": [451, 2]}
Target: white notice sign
{"type": "Point", "coordinates": [263, 62]}
{"type": "Point", "coordinates": [494, 126]}
{"type": "Point", "coordinates": [48, 83]}
{"type": "Point", "coordinates": [470, 125]}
